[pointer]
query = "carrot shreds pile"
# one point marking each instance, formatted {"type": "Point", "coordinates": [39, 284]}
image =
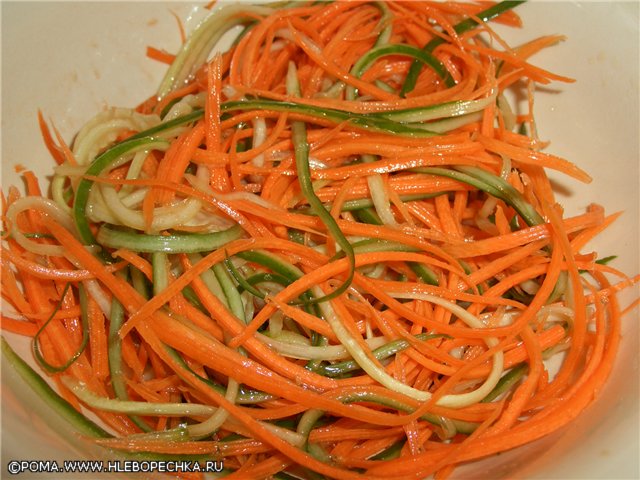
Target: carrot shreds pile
{"type": "Point", "coordinates": [330, 249]}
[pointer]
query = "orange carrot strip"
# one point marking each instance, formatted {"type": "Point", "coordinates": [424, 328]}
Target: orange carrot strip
{"type": "Point", "coordinates": [160, 55]}
{"type": "Point", "coordinates": [52, 147]}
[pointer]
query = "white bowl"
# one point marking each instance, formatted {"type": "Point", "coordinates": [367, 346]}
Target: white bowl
{"type": "Point", "coordinates": [72, 59]}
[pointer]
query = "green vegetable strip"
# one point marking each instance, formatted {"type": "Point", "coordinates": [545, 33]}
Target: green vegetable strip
{"type": "Point", "coordinates": [385, 23]}
{"type": "Point", "coordinates": [507, 381]}
{"type": "Point", "coordinates": [390, 453]}
{"type": "Point", "coordinates": [419, 55]}
{"type": "Point", "coordinates": [63, 408]}
{"type": "Point", "coordinates": [160, 273]}
{"type": "Point", "coordinates": [460, 425]}
{"type": "Point", "coordinates": [272, 262]}
{"type": "Point", "coordinates": [367, 203]}
{"type": "Point", "coordinates": [370, 245]}
{"type": "Point", "coordinates": [135, 407]}
{"type": "Point", "coordinates": [285, 273]}
{"type": "Point", "coordinates": [559, 288]}
{"type": "Point", "coordinates": [367, 215]}
{"type": "Point", "coordinates": [246, 396]}
{"type": "Point", "coordinates": [102, 162]}
{"type": "Point", "coordinates": [172, 243]}
{"type": "Point", "coordinates": [114, 354]}
{"type": "Point", "coordinates": [606, 260]}
{"type": "Point", "coordinates": [140, 282]}
{"type": "Point", "coordinates": [242, 282]}
{"type": "Point", "coordinates": [386, 31]}
{"type": "Point", "coordinates": [378, 194]}
{"type": "Point", "coordinates": [85, 333]}
{"type": "Point", "coordinates": [424, 273]}
{"type": "Point", "coordinates": [301, 150]}
{"type": "Point", "coordinates": [491, 184]}
{"type": "Point", "coordinates": [464, 26]}
{"type": "Point", "coordinates": [266, 278]}
{"type": "Point", "coordinates": [176, 434]}
{"type": "Point", "coordinates": [395, 121]}
{"type": "Point", "coordinates": [296, 236]}
{"type": "Point", "coordinates": [377, 123]}
{"type": "Point", "coordinates": [507, 193]}
{"type": "Point", "coordinates": [209, 279]}
{"type": "Point", "coordinates": [191, 297]}
{"type": "Point", "coordinates": [317, 340]}
{"type": "Point", "coordinates": [234, 300]}
{"type": "Point", "coordinates": [305, 425]}
{"type": "Point", "coordinates": [236, 305]}
{"type": "Point", "coordinates": [247, 284]}
{"type": "Point", "coordinates": [447, 110]}
{"type": "Point", "coordinates": [380, 353]}
{"type": "Point", "coordinates": [312, 416]}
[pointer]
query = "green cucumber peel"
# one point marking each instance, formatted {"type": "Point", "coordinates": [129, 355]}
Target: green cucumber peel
{"type": "Point", "coordinates": [390, 453]}
{"type": "Point", "coordinates": [160, 273]}
{"type": "Point", "coordinates": [606, 260]}
{"type": "Point", "coordinates": [507, 193]}
{"type": "Point", "coordinates": [446, 111]}
{"type": "Point", "coordinates": [234, 300]}
{"type": "Point", "coordinates": [490, 184]}
{"type": "Point", "coordinates": [419, 55]}
{"type": "Point", "coordinates": [266, 277]}
{"type": "Point", "coordinates": [461, 426]}
{"type": "Point", "coordinates": [507, 381]}
{"type": "Point", "coordinates": [46, 366]}
{"type": "Point", "coordinates": [114, 356]}
{"type": "Point", "coordinates": [384, 23]}
{"type": "Point", "coordinates": [271, 262]}
{"type": "Point", "coordinates": [245, 396]}
{"type": "Point", "coordinates": [112, 237]}
{"type": "Point", "coordinates": [462, 27]}
{"type": "Point", "coordinates": [242, 282]}
{"type": "Point", "coordinates": [248, 284]}
{"type": "Point", "coordinates": [381, 353]}
{"type": "Point", "coordinates": [301, 155]}
{"type": "Point", "coordinates": [366, 203]}
{"type": "Point", "coordinates": [424, 273]}
{"type": "Point", "coordinates": [376, 123]}
{"type": "Point", "coordinates": [368, 215]}
{"type": "Point", "coordinates": [301, 148]}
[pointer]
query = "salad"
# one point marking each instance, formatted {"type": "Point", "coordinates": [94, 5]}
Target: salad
{"type": "Point", "coordinates": [331, 249]}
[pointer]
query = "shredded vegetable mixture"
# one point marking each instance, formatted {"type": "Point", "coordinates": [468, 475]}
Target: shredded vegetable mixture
{"type": "Point", "coordinates": [330, 250]}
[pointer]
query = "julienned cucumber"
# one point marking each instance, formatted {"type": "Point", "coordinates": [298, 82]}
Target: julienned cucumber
{"type": "Point", "coordinates": [45, 392]}
{"type": "Point", "coordinates": [172, 243]}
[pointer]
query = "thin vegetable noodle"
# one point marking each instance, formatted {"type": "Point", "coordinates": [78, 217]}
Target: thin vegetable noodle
{"type": "Point", "coordinates": [328, 250]}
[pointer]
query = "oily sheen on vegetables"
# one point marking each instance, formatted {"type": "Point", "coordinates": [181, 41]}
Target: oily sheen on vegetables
{"type": "Point", "coordinates": [330, 250]}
